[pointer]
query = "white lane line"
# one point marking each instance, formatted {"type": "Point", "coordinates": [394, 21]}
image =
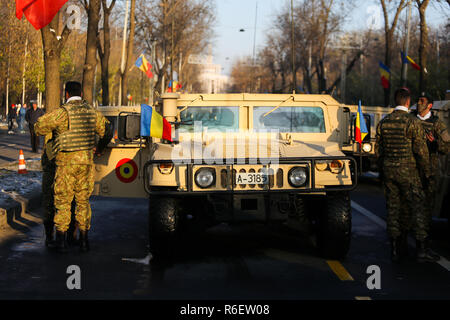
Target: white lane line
{"type": "Point", "coordinates": [444, 263]}
{"type": "Point", "coordinates": [373, 217]}
{"type": "Point", "coordinates": [369, 215]}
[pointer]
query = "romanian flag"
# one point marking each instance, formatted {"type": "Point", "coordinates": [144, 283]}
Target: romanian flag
{"type": "Point", "coordinates": [406, 59]}
{"type": "Point", "coordinates": [385, 76]}
{"type": "Point", "coordinates": [38, 12]}
{"type": "Point", "coordinates": [144, 66]}
{"type": "Point", "coordinates": [154, 125]}
{"type": "Point", "coordinates": [361, 128]}
{"type": "Point", "coordinates": [174, 86]}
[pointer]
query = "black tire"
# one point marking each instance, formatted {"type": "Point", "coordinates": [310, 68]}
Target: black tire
{"type": "Point", "coordinates": [335, 226]}
{"type": "Point", "coordinates": [164, 221]}
{"type": "Point", "coordinates": [298, 215]}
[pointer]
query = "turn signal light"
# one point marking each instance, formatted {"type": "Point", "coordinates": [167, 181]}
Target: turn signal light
{"type": "Point", "coordinates": [336, 166]}
{"type": "Point", "coordinates": [165, 168]}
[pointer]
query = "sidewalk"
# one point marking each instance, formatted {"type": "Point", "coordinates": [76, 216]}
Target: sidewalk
{"type": "Point", "coordinates": [19, 193]}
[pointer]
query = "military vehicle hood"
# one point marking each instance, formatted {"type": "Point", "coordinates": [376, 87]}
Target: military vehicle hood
{"type": "Point", "coordinates": [240, 146]}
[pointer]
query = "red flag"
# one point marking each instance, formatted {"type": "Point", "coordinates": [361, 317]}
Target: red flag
{"type": "Point", "coordinates": [38, 12]}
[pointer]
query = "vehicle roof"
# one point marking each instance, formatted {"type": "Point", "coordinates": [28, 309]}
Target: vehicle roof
{"type": "Point", "coordinates": [325, 99]}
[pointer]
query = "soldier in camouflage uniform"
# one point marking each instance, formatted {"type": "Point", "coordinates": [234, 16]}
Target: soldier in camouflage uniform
{"type": "Point", "coordinates": [403, 160]}
{"type": "Point", "coordinates": [48, 179]}
{"type": "Point", "coordinates": [438, 142]}
{"type": "Point", "coordinates": [74, 127]}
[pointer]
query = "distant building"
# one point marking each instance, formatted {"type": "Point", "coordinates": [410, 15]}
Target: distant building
{"type": "Point", "coordinates": [211, 78]}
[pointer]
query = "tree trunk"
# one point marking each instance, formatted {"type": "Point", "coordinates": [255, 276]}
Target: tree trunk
{"type": "Point", "coordinates": [105, 53]}
{"type": "Point", "coordinates": [423, 48]}
{"type": "Point", "coordinates": [52, 60]}
{"type": "Point", "coordinates": [130, 48]}
{"type": "Point", "coordinates": [389, 34]}
{"type": "Point", "coordinates": [91, 51]}
{"type": "Point", "coordinates": [321, 77]}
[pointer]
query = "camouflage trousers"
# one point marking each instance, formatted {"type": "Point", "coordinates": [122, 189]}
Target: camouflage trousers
{"type": "Point", "coordinates": [405, 202]}
{"type": "Point", "coordinates": [73, 181]}
{"type": "Point", "coordinates": [430, 192]}
{"type": "Point", "coordinates": [48, 177]}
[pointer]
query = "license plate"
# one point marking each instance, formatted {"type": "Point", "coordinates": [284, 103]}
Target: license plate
{"type": "Point", "coordinates": [252, 178]}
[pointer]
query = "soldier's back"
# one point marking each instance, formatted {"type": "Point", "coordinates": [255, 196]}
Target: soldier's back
{"type": "Point", "coordinates": [396, 130]}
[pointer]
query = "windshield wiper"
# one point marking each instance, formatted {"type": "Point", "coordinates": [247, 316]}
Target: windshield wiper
{"type": "Point", "coordinates": [187, 106]}
{"type": "Point", "coordinates": [291, 97]}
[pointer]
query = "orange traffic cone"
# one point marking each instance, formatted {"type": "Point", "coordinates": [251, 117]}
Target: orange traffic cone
{"type": "Point", "coordinates": [22, 165]}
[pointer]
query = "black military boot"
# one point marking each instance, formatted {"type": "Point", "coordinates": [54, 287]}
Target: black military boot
{"type": "Point", "coordinates": [49, 241]}
{"type": "Point", "coordinates": [424, 253]}
{"type": "Point", "coordinates": [84, 241]}
{"type": "Point", "coordinates": [72, 239]}
{"type": "Point", "coordinates": [395, 247]}
{"type": "Point", "coordinates": [404, 246]}
{"type": "Point", "coordinates": [61, 242]}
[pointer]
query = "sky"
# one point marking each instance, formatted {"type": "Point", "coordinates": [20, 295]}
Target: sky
{"type": "Point", "coordinates": [233, 15]}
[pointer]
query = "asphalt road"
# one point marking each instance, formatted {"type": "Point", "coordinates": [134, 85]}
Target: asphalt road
{"type": "Point", "coordinates": [228, 262]}
{"type": "Point", "coordinates": [11, 144]}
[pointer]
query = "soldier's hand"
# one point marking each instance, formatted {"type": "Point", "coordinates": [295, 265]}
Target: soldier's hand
{"type": "Point", "coordinates": [430, 136]}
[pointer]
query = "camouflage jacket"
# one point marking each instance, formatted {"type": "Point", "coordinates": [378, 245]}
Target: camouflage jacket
{"type": "Point", "coordinates": [57, 122]}
{"type": "Point", "coordinates": [401, 142]}
{"type": "Point", "coordinates": [441, 144]}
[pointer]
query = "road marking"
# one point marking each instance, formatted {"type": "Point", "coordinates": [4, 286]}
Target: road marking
{"type": "Point", "coordinates": [444, 263]}
{"type": "Point", "coordinates": [340, 271]}
{"type": "Point", "coordinates": [363, 298]}
{"type": "Point", "coordinates": [369, 215]}
{"type": "Point", "coordinates": [373, 217]}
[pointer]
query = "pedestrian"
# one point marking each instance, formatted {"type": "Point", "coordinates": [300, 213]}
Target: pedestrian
{"type": "Point", "coordinates": [438, 142]}
{"type": "Point", "coordinates": [32, 116]}
{"type": "Point", "coordinates": [12, 114]}
{"type": "Point", "coordinates": [21, 112]}
{"type": "Point", "coordinates": [402, 156]}
{"type": "Point", "coordinates": [74, 126]}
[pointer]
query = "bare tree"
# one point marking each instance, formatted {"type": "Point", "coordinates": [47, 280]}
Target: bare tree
{"type": "Point", "coordinates": [53, 44]}
{"type": "Point", "coordinates": [104, 51]}
{"type": "Point", "coordinates": [423, 48]}
{"type": "Point", "coordinates": [389, 30]}
{"type": "Point", "coordinates": [93, 11]}
{"type": "Point", "coordinates": [130, 51]}
{"type": "Point", "coordinates": [194, 20]}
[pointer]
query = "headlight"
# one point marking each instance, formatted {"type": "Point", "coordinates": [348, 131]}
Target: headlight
{"type": "Point", "coordinates": [298, 177]}
{"type": "Point", "coordinates": [322, 165]}
{"type": "Point", "coordinates": [205, 178]}
{"type": "Point", "coordinates": [367, 147]}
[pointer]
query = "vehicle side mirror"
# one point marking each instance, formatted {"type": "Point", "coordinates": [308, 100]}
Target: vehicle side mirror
{"type": "Point", "coordinates": [129, 127]}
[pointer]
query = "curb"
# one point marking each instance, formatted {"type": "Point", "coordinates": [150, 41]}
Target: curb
{"type": "Point", "coordinates": [13, 214]}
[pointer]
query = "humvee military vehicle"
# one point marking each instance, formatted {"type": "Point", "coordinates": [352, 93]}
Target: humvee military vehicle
{"type": "Point", "coordinates": [236, 158]}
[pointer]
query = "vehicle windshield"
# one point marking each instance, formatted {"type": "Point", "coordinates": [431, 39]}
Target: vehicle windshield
{"type": "Point", "coordinates": [220, 119]}
{"type": "Point", "coordinates": [289, 119]}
